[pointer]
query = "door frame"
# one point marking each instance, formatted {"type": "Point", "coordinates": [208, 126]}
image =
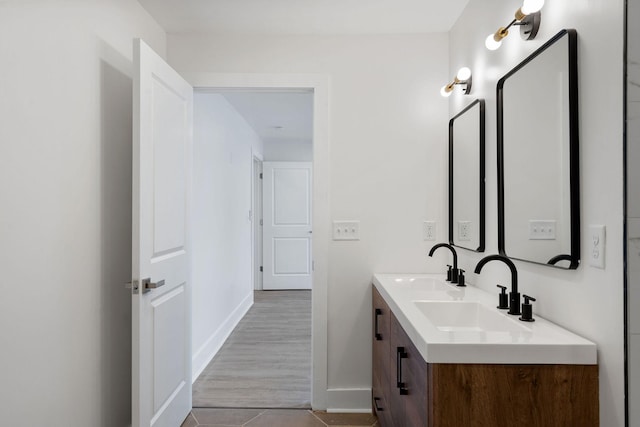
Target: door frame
{"type": "Point", "coordinates": [256, 216]}
{"type": "Point", "coordinates": [319, 84]}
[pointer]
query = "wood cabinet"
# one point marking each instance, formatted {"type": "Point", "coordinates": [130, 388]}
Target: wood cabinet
{"type": "Point", "coordinates": [382, 390]}
{"type": "Point", "coordinates": [409, 392]}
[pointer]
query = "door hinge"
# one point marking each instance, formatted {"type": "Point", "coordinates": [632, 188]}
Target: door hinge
{"type": "Point", "coordinates": [261, 268]}
{"type": "Point", "coordinates": [260, 175]}
{"type": "Point", "coordinates": [261, 222]}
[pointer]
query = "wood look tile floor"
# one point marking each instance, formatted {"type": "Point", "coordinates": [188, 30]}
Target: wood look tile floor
{"type": "Point", "coordinates": [236, 417]}
{"type": "Point", "coordinates": [266, 361]}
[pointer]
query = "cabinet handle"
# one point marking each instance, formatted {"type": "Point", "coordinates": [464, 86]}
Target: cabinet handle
{"type": "Point", "coordinates": [375, 404]}
{"type": "Point", "coordinates": [400, 354]}
{"type": "Point", "coordinates": [376, 333]}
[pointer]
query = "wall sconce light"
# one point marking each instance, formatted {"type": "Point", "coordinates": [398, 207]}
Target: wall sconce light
{"type": "Point", "coordinates": [527, 18]}
{"type": "Point", "coordinates": [462, 78]}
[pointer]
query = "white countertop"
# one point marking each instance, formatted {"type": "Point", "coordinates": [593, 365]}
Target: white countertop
{"type": "Point", "coordinates": [539, 342]}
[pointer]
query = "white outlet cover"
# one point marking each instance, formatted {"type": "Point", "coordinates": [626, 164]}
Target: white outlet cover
{"type": "Point", "coordinates": [464, 231]}
{"type": "Point", "coordinates": [429, 230]}
{"type": "Point", "coordinates": [597, 245]}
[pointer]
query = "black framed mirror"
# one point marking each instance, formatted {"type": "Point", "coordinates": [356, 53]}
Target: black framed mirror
{"type": "Point", "coordinates": [466, 177]}
{"type": "Point", "coordinates": [538, 161]}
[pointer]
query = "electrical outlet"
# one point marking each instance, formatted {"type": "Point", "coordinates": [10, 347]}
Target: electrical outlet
{"type": "Point", "coordinates": [597, 240]}
{"type": "Point", "coordinates": [429, 230]}
{"type": "Point", "coordinates": [464, 231]}
{"type": "Point", "coordinates": [346, 230]}
{"type": "Point", "coordinates": [542, 229]}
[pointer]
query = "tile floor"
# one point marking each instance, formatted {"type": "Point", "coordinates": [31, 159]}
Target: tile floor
{"type": "Point", "coordinates": [223, 417]}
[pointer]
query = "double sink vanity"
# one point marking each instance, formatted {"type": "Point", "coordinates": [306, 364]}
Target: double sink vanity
{"type": "Point", "coordinates": [448, 355]}
{"type": "Point", "coordinates": [444, 355]}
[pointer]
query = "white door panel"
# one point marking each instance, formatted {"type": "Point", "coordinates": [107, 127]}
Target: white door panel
{"type": "Point", "coordinates": [291, 255]}
{"type": "Point", "coordinates": [161, 324]}
{"type": "Point", "coordinates": [287, 256]}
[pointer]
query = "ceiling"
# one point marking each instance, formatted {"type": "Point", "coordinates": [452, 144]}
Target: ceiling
{"type": "Point", "coordinates": [305, 16]}
{"type": "Point", "coordinates": [276, 116]}
{"type": "Point", "coordinates": [287, 116]}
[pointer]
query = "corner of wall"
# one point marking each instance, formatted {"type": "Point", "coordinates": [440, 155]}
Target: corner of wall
{"type": "Point", "coordinates": [205, 354]}
{"type": "Point", "coordinates": [352, 400]}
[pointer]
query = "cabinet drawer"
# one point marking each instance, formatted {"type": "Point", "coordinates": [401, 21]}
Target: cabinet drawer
{"type": "Point", "coordinates": [380, 404]}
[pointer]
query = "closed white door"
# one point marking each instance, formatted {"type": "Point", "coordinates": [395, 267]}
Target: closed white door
{"type": "Point", "coordinates": [287, 258]}
{"type": "Point", "coordinates": [161, 365]}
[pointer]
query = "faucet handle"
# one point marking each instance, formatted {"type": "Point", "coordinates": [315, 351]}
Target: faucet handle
{"type": "Point", "coordinates": [503, 298]}
{"type": "Point", "coordinates": [527, 309]}
{"type": "Point", "coordinates": [461, 278]}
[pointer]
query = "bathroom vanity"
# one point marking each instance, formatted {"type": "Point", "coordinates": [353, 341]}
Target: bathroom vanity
{"type": "Point", "coordinates": [444, 356]}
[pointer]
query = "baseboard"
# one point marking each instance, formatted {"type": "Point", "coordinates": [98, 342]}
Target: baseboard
{"type": "Point", "coordinates": [352, 400]}
{"type": "Point", "coordinates": [210, 348]}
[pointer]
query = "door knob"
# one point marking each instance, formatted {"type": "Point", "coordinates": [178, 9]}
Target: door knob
{"type": "Point", "coordinates": [147, 284]}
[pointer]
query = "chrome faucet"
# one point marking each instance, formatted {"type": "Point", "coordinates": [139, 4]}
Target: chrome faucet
{"type": "Point", "coordinates": [514, 296]}
{"type": "Point", "coordinates": [454, 272]}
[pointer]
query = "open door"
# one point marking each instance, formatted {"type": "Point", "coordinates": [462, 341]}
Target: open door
{"type": "Point", "coordinates": [287, 197]}
{"type": "Point", "coordinates": [161, 296]}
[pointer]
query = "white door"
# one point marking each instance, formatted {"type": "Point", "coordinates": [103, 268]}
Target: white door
{"type": "Point", "coordinates": [287, 236]}
{"type": "Point", "coordinates": [161, 365]}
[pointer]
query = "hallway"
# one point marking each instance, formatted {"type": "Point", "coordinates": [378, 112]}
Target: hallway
{"type": "Point", "coordinates": [266, 361]}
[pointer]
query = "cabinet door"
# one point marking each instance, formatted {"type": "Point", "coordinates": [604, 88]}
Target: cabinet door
{"type": "Point", "coordinates": [397, 377]}
{"type": "Point", "coordinates": [414, 372]}
{"type": "Point", "coordinates": [411, 378]}
{"type": "Point", "coordinates": [381, 366]}
{"type": "Point", "coordinates": [381, 329]}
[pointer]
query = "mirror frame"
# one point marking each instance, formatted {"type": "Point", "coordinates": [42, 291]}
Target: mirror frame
{"type": "Point", "coordinates": [574, 175]}
{"type": "Point", "coordinates": [481, 177]}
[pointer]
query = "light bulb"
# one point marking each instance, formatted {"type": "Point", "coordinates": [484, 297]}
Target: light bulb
{"type": "Point", "coordinates": [463, 74]}
{"type": "Point", "coordinates": [444, 92]}
{"type": "Point", "coordinates": [491, 43]}
{"type": "Point", "coordinates": [531, 6]}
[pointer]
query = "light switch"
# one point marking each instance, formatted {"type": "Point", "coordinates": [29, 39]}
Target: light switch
{"type": "Point", "coordinates": [346, 230]}
{"type": "Point", "coordinates": [542, 229]}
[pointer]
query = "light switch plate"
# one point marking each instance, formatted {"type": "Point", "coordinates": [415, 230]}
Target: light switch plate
{"type": "Point", "coordinates": [346, 230]}
{"type": "Point", "coordinates": [597, 245]}
{"type": "Point", "coordinates": [542, 229]}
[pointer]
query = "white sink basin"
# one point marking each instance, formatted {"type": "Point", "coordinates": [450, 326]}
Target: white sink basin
{"type": "Point", "coordinates": [462, 316]}
{"type": "Point", "coordinates": [450, 324]}
{"type": "Point", "coordinates": [422, 283]}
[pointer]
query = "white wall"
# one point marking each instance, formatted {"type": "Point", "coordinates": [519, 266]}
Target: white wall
{"type": "Point", "coordinates": [223, 144]}
{"type": "Point", "coordinates": [65, 221]}
{"type": "Point", "coordinates": [288, 151]}
{"type": "Point", "coordinates": [388, 139]}
{"type": "Point", "coordinates": [587, 301]}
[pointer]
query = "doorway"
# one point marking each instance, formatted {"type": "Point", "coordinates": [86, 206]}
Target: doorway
{"type": "Point", "coordinates": [225, 329]}
{"type": "Point", "coordinates": [256, 217]}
